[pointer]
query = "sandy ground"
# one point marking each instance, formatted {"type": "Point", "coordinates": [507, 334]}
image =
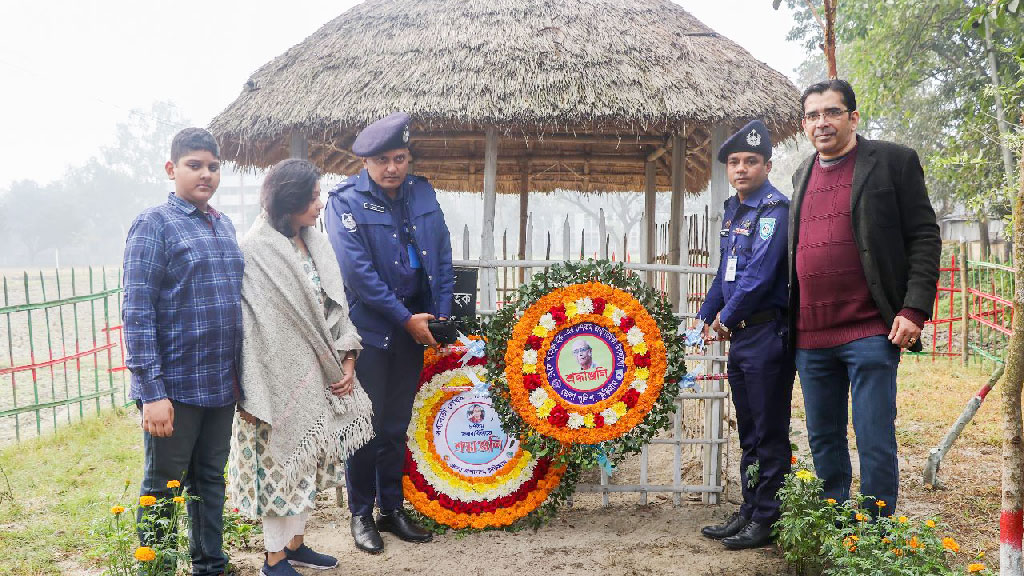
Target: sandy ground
{"type": "Point", "coordinates": [586, 539]}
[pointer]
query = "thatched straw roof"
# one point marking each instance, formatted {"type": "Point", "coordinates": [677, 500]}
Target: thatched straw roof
{"type": "Point", "coordinates": [583, 91]}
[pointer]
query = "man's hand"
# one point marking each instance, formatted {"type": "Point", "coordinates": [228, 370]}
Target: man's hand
{"type": "Point", "coordinates": [722, 331]}
{"type": "Point", "coordinates": [344, 386]}
{"type": "Point", "coordinates": [417, 327]}
{"type": "Point", "coordinates": [705, 332]}
{"type": "Point", "coordinates": [158, 418]}
{"type": "Point", "coordinates": [904, 332]}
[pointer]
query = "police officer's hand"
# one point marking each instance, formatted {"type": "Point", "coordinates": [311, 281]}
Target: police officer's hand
{"type": "Point", "coordinates": [344, 386]}
{"type": "Point", "coordinates": [904, 332]}
{"type": "Point", "coordinates": [158, 418]}
{"type": "Point", "coordinates": [722, 331]}
{"type": "Point", "coordinates": [417, 327]}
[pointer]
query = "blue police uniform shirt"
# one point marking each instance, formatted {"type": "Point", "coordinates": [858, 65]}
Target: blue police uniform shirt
{"type": "Point", "coordinates": [371, 235]}
{"type": "Point", "coordinates": [754, 231]}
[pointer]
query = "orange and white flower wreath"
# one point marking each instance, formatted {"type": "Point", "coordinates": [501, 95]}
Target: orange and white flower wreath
{"type": "Point", "coordinates": [548, 413]}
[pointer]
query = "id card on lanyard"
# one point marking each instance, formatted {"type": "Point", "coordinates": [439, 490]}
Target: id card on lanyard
{"type": "Point", "coordinates": [730, 269]}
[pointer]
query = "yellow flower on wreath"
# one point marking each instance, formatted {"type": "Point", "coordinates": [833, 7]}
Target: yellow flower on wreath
{"type": "Point", "coordinates": [588, 420]}
{"type": "Point", "coordinates": [571, 309]}
{"type": "Point", "coordinates": [540, 331]}
{"type": "Point", "coordinates": [529, 368]}
{"type": "Point", "coordinates": [116, 510]}
{"type": "Point", "coordinates": [146, 501]}
{"type": "Point", "coordinates": [640, 348]}
{"type": "Point", "coordinates": [173, 484]}
{"type": "Point", "coordinates": [804, 475]}
{"type": "Point", "coordinates": [642, 374]}
{"type": "Point", "coordinates": [145, 554]}
{"type": "Point", "coordinates": [619, 408]}
{"type": "Point", "coordinates": [545, 408]}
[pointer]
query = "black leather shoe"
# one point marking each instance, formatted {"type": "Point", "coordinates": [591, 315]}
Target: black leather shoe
{"type": "Point", "coordinates": [402, 526]}
{"type": "Point", "coordinates": [366, 535]}
{"type": "Point", "coordinates": [732, 526]}
{"type": "Point", "coordinates": [753, 535]}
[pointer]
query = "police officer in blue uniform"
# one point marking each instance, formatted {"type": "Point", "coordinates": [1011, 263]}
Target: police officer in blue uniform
{"type": "Point", "coordinates": [746, 304]}
{"type": "Point", "coordinates": [394, 249]}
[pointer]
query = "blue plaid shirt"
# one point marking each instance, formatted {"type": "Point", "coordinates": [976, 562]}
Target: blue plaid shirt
{"type": "Point", "coordinates": [183, 305]}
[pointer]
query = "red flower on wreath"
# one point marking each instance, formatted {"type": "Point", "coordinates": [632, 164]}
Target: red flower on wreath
{"type": "Point", "coordinates": [642, 360]}
{"type": "Point", "coordinates": [626, 323]}
{"type": "Point", "coordinates": [630, 398]}
{"type": "Point", "coordinates": [598, 421]}
{"type": "Point", "coordinates": [531, 381]}
{"type": "Point", "coordinates": [558, 417]}
{"type": "Point", "coordinates": [558, 314]}
{"type": "Point", "coordinates": [534, 342]}
{"type": "Point", "coordinates": [599, 304]}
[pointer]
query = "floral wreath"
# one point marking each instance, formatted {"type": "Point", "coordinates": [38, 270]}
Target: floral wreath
{"type": "Point", "coordinates": [517, 487]}
{"type": "Point", "coordinates": [635, 394]}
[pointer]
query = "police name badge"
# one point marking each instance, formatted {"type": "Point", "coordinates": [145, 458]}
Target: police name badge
{"type": "Point", "coordinates": [730, 269]}
{"type": "Point", "coordinates": [348, 222]}
{"type": "Point", "coordinates": [767, 228]}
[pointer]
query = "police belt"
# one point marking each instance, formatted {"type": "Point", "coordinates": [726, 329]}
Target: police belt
{"type": "Point", "coordinates": [762, 317]}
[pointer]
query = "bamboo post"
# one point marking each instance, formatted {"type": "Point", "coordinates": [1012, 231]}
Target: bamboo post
{"type": "Point", "coordinates": [524, 214]}
{"type": "Point", "coordinates": [566, 240]}
{"type": "Point", "coordinates": [298, 146]}
{"type": "Point", "coordinates": [965, 313]}
{"type": "Point", "coordinates": [676, 216]}
{"type": "Point", "coordinates": [488, 297]}
{"type": "Point", "coordinates": [529, 245]}
{"type": "Point", "coordinates": [650, 207]}
{"type": "Point", "coordinates": [602, 233]}
{"type": "Point", "coordinates": [465, 242]}
{"type": "Point", "coordinates": [583, 241]}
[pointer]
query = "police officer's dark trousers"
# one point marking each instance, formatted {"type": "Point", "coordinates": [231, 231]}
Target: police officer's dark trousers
{"type": "Point", "coordinates": [761, 378]}
{"type": "Point", "coordinates": [389, 376]}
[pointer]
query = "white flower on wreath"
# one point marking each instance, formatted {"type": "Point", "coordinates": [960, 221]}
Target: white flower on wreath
{"type": "Point", "coordinates": [575, 420]}
{"type": "Point", "coordinates": [639, 385]}
{"type": "Point", "coordinates": [585, 305]}
{"type": "Point", "coordinates": [634, 336]}
{"type": "Point", "coordinates": [538, 397]}
{"type": "Point", "coordinates": [610, 417]}
{"type": "Point", "coordinates": [530, 357]}
{"type": "Point", "coordinates": [547, 321]}
{"type": "Point", "coordinates": [618, 314]}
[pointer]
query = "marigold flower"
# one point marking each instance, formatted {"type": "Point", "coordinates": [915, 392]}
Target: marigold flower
{"type": "Point", "coordinates": [902, 519]}
{"type": "Point", "coordinates": [831, 501]}
{"type": "Point", "coordinates": [915, 543]}
{"type": "Point", "coordinates": [145, 501]}
{"type": "Point", "coordinates": [860, 517]}
{"type": "Point", "coordinates": [115, 510]}
{"type": "Point", "coordinates": [173, 484]}
{"type": "Point", "coordinates": [929, 523]}
{"type": "Point", "coordinates": [851, 543]}
{"type": "Point", "coordinates": [792, 459]}
{"type": "Point", "coordinates": [804, 475]}
{"type": "Point", "coordinates": [975, 567]}
{"type": "Point", "coordinates": [897, 552]}
{"type": "Point", "coordinates": [179, 499]}
{"type": "Point", "coordinates": [880, 503]}
{"type": "Point", "coordinates": [950, 544]}
{"type": "Point", "coordinates": [886, 541]}
{"type": "Point", "coordinates": [145, 554]}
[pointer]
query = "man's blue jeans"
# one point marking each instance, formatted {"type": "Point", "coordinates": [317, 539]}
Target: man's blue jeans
{"type": "Point", "coordinates": [867, 368]}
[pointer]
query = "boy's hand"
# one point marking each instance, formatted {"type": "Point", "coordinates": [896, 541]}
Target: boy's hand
{"type": "Point", "coordinates": [158, 418]}
{"type": "Point", "coordinates": [417, 327]}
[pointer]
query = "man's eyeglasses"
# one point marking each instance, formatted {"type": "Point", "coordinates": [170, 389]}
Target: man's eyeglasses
{"type": "Point", "coordinates": [829, 114]}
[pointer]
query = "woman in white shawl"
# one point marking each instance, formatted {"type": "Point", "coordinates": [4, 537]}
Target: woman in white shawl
{"type": "Point", "coordinates": [302, 410]}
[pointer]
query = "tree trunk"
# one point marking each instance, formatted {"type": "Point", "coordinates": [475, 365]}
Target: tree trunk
{"type": "Point", "coordinates": [983, 236]}
{"type": "Point", "coordinates": [1011, 521]}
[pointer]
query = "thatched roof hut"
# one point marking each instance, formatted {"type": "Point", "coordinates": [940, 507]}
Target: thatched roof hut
{"type": "Point", "coordinates": [582, 92]}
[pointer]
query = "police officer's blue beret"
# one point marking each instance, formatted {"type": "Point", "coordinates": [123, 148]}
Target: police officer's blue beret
{"type": "Point", "coordinates": [754, 137]}
{"type": "Point", "coordinates": [388, 133]}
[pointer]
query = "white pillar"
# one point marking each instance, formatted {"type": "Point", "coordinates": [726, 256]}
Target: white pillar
{"type": "Point", "coordinates": [489, 276]}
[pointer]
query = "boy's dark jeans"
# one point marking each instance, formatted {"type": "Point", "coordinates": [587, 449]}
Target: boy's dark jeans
{"type": "Point", "coordinates": [195, 454]}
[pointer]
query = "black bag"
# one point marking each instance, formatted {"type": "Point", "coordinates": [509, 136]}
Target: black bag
{"type": "Point", "coordinates": [443, 331]}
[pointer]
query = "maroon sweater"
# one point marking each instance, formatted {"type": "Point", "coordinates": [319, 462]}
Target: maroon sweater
{"type": "Point", "coordinates": [835, 304]}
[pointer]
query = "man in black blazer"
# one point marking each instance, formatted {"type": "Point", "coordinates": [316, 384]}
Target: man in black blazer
{"type": "Point", "coordinates": [864, 251]}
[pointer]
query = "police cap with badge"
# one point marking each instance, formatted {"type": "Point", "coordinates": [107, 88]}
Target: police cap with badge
{"type": "Point", "coordinates": [754, 137]}
{"type": "Point", "coordinates": [388, 133]}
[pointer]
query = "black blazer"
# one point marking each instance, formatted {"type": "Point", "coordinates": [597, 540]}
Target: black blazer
{"type": "Point", "coordinates": [894, 227]}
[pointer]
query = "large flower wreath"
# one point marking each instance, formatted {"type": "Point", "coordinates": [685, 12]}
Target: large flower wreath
{"type": "Point", "coordinates": [462, 471]}
{"type": "Point", "coordinates": [616, 394]}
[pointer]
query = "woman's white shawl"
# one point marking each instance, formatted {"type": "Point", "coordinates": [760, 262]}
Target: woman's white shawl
{"type": "Point", "coordinates": [291, 352]}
